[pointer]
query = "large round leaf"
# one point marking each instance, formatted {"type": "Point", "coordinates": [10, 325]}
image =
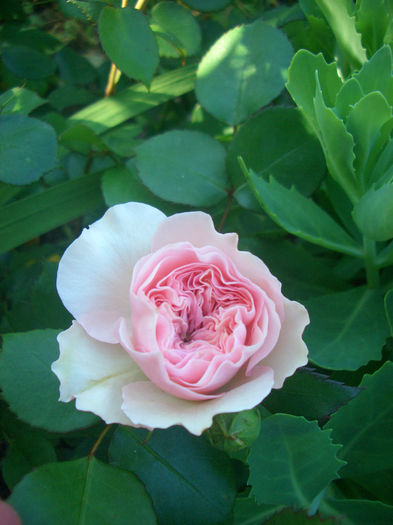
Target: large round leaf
{"type": "Point", "coordinates": [82, 491]}
{"type": "Point", "coordinates": [183, 166]}
{"type": "Point", "coordinates": [243, 71]}
{"type": "Point", "coordinates": [276, 142]}
{"type": "Point", "coordinates": [129, 42]}
{"type": "Point", "coordinates": [28, 149]}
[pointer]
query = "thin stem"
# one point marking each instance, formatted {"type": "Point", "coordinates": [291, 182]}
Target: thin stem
{"type": "Point", "coordinates": [114, 73]}
{"type": "Point", "coordinates": [99, 441]}
{"type": "Point", "coordinates": [225, 214]}
{"type": "Point", "coordinates": [369, 250]}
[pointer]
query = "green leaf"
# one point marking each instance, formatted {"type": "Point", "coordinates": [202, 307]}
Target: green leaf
{"type": "Point", "coordinates": [374, 213]}
{"type": "Point", "coordinates": [300, 215]}
{"type": "Point", "coordinates": [28, 63]}
{"type": "Point", "coordinates": [247, 512]}
{"type": "Point", "coordinates": [112, 111]}
{"type": "Point", "coordinates": [31, 388]}
{"type": "Point", "coordinates": [122, 140]}
{"type": "Point", "coordinates": [122, 184]}
{"type": "Point", "coordinates": [292, 461]}
{"type": "Point", "coordinates": [74, 68]}
{"type": "Point", "coordinates": [337, 144]}
{"type": "Point", "coordinates": [309, 394]}
{"type": "Point", "coordinates": [388, 300]}
{"type": "Point", "coordinates": [347, 329]}
{"type": "Point", "coordinates": [39, 213]}
{"type": "Point", "coordinates": [189, 481]}
{"type": "Point", "coordinates": [268, 146]}
{"type": "Point", "coordinates": [372, 21]}
{"type": "Point", "coordinates": [302, 83]}
{"type": "Point", "coordinates": [19, 100]}
{"type": "Point", "coordinates": [70, 96]}
{"type": "Point", "coordinates": [357, 512]}
{"type": "Point", "coordinates": [189, 177]}
{"type": "Point", "coordinates": [350, 93]}
{"type": "Point", "coordinates": [365, 122]}
{"type": "Point", "coordinates": [82, 139]}
{"type": "Point", "coordinates": [129, 42]}
{"type": "Point", "coordinates": [376, 74]}
{"type": "Point", "coordinates": [364, 426]}
{"type": "Point", "coordinates": [339, 16]}
{"type": "Point", "coordinates": [82, 491]}
{"type": "Point", "coordinates": [307, 275]}
{"type": "Point", "coordinates": [207, 5]}
{"type": "Point", "coordinates": [28, 148]}
{"type": "Point", "coordinates": [298, 517]}
{"type": "Point", "coordinates": [26, 451]}
{"type": "Point", "coordinates": [179, 23]}
{"type": "Point", "coordinates": [243, 71]}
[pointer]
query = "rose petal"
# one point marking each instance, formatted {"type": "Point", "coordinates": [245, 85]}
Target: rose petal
{"type": "Point", "coordinates": [148, 406]}
{"type": "Point", "coordinates": [290, 351]}
{"type": "Point", "coordinates": [198, 229]}
{"type": "Point", "coordinates": [94, 373]}
{"type": "Point", "coordinates": [95, 271]}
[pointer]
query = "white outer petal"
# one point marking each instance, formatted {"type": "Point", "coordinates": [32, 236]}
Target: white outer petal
{"type": "Point", "coordinates": [290, 351]}
{"type": "Point", "coordinates": [94, 373]}
{"type": "Point", "coordinates": [95, 271]}
{"type": "Point", "coordinates": [148, 406]}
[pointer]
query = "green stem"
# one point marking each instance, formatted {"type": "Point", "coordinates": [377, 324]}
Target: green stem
{"type": "Point", "coordinates": [370, 263]}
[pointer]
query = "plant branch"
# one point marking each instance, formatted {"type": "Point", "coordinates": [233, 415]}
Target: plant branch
{"type": "Point", "coordinates": [99, 441]}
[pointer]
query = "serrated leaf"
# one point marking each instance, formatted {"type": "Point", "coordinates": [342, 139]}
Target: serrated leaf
{"type": "Point", "coordinates": [349, 93]}
{"type": "Point", "coordinates": [82, 491]}
{"type": "Point", "coordinates": [365, 425]}
{"type": "Point", "coordinates": [337, 144]}
{"type": "Point", "coordinates": [189, 482]}
{"type": "Point", "coordinates": [28, 148]}
{"type": "Point", "coordinates": [247, 511]}
{"type": "Point", "coordinates": [339, 16]}
{"type": "Point", "coordinates": [29, 385]}
{"type": "Point", "coordinates": [268, 146]}
{"type": "Point", "coordinates": [300, 215]}
{"type": "Point", "coordinates": [177, 22]}
{"type": "Point", "coordinates": [292, 461]}
{"type": "Point", "coordinates": [347, 329]}
{"type": "Point", "coordinates": [129, 42]}
{"type": "Point", "coordinates": [190, 178]}
{"type": "Point", "coordinates": [299, 517]}
{"type": "Point", "coordinates": [365, 122]}
{"type": "Point", "coordinates": [302, 83]}
{"type": "Point", "coordinates": [376, 74]}
{"type": "Point", "coordinates": [309, 394]}
{"type": "Point", "coordinates": [374, 213]}
{"type": "Point", "coordinates": [82, 139]}
{"type": "Point", "coordinates": [243, 71]}
{"type": "Point", "coordinates": [372, 21]}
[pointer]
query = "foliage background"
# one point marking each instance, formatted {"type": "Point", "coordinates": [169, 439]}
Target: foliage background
{"type": "Point", "coordinates": [230, 107]}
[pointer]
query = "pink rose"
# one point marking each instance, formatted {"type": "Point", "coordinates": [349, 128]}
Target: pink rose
{"type": "Point", "coordinates": [173, 323]}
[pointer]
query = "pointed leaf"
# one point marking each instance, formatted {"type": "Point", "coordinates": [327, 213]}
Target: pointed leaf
{"type": "Point", "coordinates": [372, 21]}
{"type": "Point", "coordinates": [376, 74]}
{"type": "Point", "coordinates": [292, 461]}
{"type": "Point", "coordinates": [300, 215]}
{"type": "Point", "coordinates": [350, 93]}
{"type": "Point", "coordinates": [129, 42]}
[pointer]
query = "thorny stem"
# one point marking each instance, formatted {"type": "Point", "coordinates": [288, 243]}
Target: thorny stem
{"type": "Point", "coordinates": [99, 441]}
{"type": "Point", "coordinates": [114, 73]}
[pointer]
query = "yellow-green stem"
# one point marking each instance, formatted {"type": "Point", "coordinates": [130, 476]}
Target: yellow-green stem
{"type": "Point", "coordinates": [99, 441]}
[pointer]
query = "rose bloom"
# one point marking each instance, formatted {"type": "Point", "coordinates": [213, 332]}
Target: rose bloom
{"type": "Point", "coordinates": [173, 324]}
